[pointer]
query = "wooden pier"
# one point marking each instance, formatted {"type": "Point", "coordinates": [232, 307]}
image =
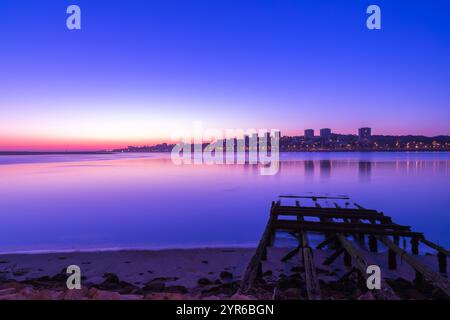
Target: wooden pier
{"type": "Point", "coordinates": [340, 223]}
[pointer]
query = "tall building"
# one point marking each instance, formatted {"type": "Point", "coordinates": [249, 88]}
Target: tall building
{"type": "Point", "coordinates": [325, 133]}
{"type": "Point", "coordinates": [364, 134]}
{"type": "Point", "coordinates": [309, 133]}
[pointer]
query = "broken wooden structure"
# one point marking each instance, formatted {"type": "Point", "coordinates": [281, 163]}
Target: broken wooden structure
{"type": "Point", "coordinates": [339, 223]}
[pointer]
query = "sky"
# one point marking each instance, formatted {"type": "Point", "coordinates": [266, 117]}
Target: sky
{"type": "Point", "coordinates": [138, 71]}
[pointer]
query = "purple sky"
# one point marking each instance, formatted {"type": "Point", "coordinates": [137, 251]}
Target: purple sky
{"type": "Point", "coordinates": [139, 70]}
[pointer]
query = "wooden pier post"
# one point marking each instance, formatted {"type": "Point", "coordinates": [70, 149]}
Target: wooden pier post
{"type": "Point", "coordinates": [442, 254]}
{"type": "Point", "coordinates": [347, 259]}
{"type": "Point", "coordinates": [392, 260]}
{"type": "Point", "coordinates": [373, 244]}
{"type": "Point", "coordinates": [397, 240]}
{"type": "Point", "coordinates": [254, 268]}
{"type": "Point", "coordinates": [442, 259]}
{"type": "Point", "coordinates": [415, 246]}
{"type": "Point", "coordinates": [418, 280]}
{"type": "Point", "coordinates": [312, 282]}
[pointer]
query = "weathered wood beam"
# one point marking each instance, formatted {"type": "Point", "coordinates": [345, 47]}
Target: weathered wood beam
{"type": "Point", "coordinates": [358, 206]}
{"type": "Point", "coordinates": [314, 197]}
{"type": "Point", "coordinates": [325, 242]}
{"type": "Point", "coordinates": [328, 210]}
{"type": "Point", "coordinates": [339, 227]}
{"type": "Point", "coordinates": [386, 292]}
{"type": "Point", "coordinates": [435, 247]}
{"type": "Point", "coordinates": [442, 261]}
{"type": "Point", "coordinates": [333, 257]}
{"type": "Point", "coordinates": [435, 278]}
{"type": "Point", "coordinates": [254, 267]}
{"type": "Point", "coordinates": [373, 244]}
{"type": "Point", "coordinates": [291, 254]}
{"type": "Point", "coordinates": [312, 282]}
{"type": "Point", "coordinates": [392, 260]}
{"type": "Point", "coordinates": [415, 246]}
{"type": "Point", "coordinates": [349, 225]}
{"type": "Point", "coordinates": [330, 215]}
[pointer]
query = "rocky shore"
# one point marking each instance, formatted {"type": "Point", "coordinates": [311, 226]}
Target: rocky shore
{"type": "Point", "coordinates": [192, 274]}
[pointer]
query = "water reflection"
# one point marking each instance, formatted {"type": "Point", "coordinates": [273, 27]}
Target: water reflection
{"type": "Point", "coordinates": [309, 169]}
{"type": "Point", "coordinates": [325, 169]}
{"type": "Point", "coordinates": [146, 200]}
{"type": "Point", "coordinates": [365, 170]}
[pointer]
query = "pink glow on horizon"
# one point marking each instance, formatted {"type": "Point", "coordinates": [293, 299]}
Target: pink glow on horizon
{"type": "Point", "coordinates": [21, 144]}
{"type": "Point", "coordinates": [30, 143]}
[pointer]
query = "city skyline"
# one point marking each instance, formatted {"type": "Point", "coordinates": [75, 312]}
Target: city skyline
{"type": "Point", "coordinates": [138, 71]}
{"type": "Point", "coordinates": [327, 140]}
{"type": "Point", "coordinates": [362, 135]}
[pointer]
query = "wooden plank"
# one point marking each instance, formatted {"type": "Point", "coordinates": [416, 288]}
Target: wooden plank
{"type": "Point", "coordinates": [291, 254]}
{"type": "Point", "coordinates": [333, 257]}
{"type": "Point", "coordinates": [442, 262]}
{"type": "Point", "coordinates": [314, 197]}
{"type": "Point", "coordinates": [297, 249]}
{"type": "Point", "coordinates": [254, 266]}
{"type": "Point", "coordinates": [339, 227]}
{"type": "Point", "coordinates": [327, 210]}
{"type": "Point", "coordinates": [435, 247]}
{"type": "Point", "coordinates": [312, 282]}
{"type": "Point", "coordinates": [358, 206]}
{"type": "Point", "coordinates": [354, 225]}
{"type": "Point", "coordinates": [386, 292]}
{"type": "Point", "coordinates": [328, 235]}
{"type": "Point", "coordinates": [325, 242]}
{"type": "Point", "coordinates": [435, 278]}
{"type": "Point", "coordinates": [330, 215]}
{"type": "Point", "coordinates": [415, 246]}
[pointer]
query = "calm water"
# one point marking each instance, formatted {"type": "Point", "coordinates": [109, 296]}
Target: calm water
{"type": "Point", "coordinates": [106, 201]}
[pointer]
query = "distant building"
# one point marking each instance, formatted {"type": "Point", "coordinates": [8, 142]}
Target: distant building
{"type": "Point", "coordinates": [325, 133]}
{"type": "Point", "coordinates": [364, 134]}
{"type": "Point", "coordinates": [275, 133]}
{"type": "Point", "coordinates": [309, 133]}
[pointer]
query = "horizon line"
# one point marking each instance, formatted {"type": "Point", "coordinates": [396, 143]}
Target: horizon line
{"type": "Point", "coordinates": [74, 150]}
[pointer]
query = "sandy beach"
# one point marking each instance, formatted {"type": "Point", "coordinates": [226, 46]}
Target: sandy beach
{"type": "Point", "coordinates": [209, 273]}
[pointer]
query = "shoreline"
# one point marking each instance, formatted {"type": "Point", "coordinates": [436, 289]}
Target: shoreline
{"type": "Point", "coordinates": [39, 153]}
{"type": "Point", "coordinates": [199, 274]}
{"type": "Point", "coordinates": [43, 153]}
{"type": "Point", "coordinates": [119, 249]}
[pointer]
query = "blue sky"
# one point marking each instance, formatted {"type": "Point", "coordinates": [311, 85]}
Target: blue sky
{"type": "Point", "coordinates": [140, 69]}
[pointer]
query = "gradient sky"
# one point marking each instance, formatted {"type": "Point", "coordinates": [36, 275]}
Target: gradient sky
{"type": "Point", "coordinates": [138, 70]}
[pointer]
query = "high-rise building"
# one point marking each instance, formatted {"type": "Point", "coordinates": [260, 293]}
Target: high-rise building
{"type": "Point", "coordinates": [309, 133]}
{"type": "Point", "coordinates": [325, 133]}
{"type": "Point", "coordinates": [364, 134]}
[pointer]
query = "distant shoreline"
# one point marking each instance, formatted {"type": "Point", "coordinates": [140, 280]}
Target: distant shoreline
{"type": "Point", "coordinates": [35, 153]}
